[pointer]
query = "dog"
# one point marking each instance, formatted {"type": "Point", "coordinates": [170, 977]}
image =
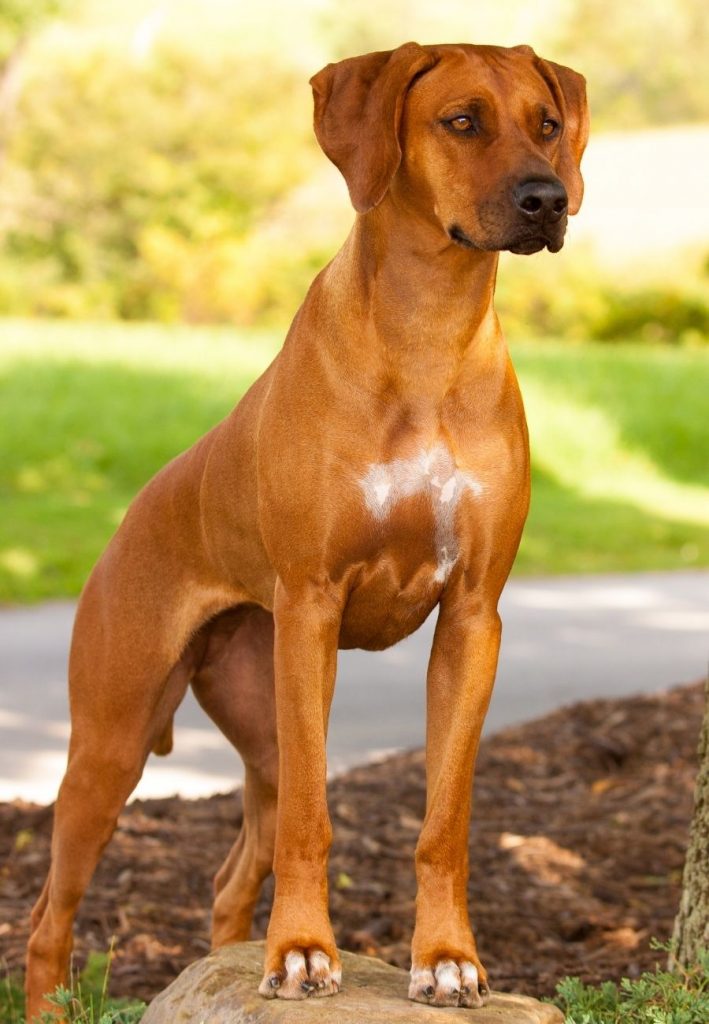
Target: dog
{"type": "Point", "coordinates": [378, 468]}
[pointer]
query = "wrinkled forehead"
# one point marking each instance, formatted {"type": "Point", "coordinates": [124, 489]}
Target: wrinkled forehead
{"type": "Point", "coordinates": [506, 79]}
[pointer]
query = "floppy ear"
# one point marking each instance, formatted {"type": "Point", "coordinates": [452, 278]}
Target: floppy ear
{"type": "Point", "coordinates": [358, 107]}
{"type": "Point", "coordinates": [569, 90]}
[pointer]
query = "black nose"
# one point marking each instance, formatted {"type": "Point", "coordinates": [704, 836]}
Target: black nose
{"type": "Point", "coordinates": [541, 201]}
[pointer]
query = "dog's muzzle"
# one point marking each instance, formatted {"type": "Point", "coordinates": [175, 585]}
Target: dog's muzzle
{"type": "Point", "coordinates": [541, 206]}
{"type": "Point", "coordinates": [527, 218]}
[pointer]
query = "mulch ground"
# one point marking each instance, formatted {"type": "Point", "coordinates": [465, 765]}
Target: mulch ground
{"type": "Point", "coordinates": [581, 825]}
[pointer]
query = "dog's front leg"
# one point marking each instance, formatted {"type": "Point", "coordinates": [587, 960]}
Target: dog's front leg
{"type": "Point", "coordinates": [301, 958]}
{"type": "Point", "coordinates": [445, 969]}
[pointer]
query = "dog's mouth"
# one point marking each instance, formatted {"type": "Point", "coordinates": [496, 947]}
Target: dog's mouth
{"type": "Point", "coordinates": [527, 246]}
{"type": "Point", "coordinates": [524, 246]}
{"type": "Point", "coordinates": [458, 235]}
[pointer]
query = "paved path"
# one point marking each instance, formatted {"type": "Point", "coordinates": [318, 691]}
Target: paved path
{"type": "Point", "coordinates": [564, 640]}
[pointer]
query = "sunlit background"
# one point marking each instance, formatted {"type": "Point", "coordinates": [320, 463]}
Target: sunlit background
{"type": "Point", "coordinates": [163, 208]}
{"type": "Point", "coordinates": [164, 205]}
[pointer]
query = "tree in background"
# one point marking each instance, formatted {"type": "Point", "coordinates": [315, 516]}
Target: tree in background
{"type": "Point", "coordinates": [691, 932]}
{"type": "Point", "coordinates": [19, 19]}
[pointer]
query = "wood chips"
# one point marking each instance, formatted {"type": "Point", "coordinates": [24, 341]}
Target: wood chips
{"type": "Point", "coordinates": [580, 829]}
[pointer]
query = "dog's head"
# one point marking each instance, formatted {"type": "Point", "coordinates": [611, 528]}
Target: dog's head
{"type": "Point", "coordinates": [483, 141]}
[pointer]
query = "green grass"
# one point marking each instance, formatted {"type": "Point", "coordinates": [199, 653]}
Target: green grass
{"type": "Point", "coordinates": [88, 413]}
{"type": "Point", "coordinates": [620, 453]}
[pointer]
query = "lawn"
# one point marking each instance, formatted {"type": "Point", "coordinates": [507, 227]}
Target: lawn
{"type": "Point", "coordinates": [620, 438]}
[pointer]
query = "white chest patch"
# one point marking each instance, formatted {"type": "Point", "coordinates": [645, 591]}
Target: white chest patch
{"type": "Point", "coordinates": [434, 473]}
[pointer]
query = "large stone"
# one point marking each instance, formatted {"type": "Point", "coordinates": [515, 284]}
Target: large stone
{"type": "Point", "coordinates": [221, 989]}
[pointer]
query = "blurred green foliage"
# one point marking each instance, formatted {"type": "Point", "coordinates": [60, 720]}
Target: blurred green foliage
{"type": "Point", "coordinates": [161, 181]}
{"type": "Point", "coordinates": [577, 298]}
{"type": "Point", "coordinates": [134, 187]}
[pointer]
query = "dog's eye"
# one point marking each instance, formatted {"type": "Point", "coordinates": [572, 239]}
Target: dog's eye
{"type": "Point", "coordinates": [461, 123]}
{"type": "Point", "coordinates": [549, 127]}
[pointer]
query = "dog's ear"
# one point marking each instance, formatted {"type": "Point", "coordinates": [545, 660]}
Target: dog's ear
{"type": "Point", "coordinates": [569, 89]}
{"type": "Point", "coordinates": [358, 107]}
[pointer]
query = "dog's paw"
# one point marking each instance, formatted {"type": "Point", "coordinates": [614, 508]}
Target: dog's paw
{"type": "Point", "coordinates": [449, 983]}
{"type": "Point", "coordinates": [303, 973]}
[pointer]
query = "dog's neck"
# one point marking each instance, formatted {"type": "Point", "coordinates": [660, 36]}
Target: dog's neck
{"type": "Point", "coordinates": [427, 303]}
{"type": "Point", "coordinates": [411, 275]}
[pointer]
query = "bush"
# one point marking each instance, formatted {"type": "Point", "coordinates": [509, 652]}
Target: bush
{"type": "Point", "coordinates": [570, 296]}
{"type": "Point", "coordinates": [663, 314]}
{"type": "Point", "coordinates": [132, 190]}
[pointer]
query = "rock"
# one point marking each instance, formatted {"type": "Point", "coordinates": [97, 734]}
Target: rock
{"type": "Point", "coordinates": [221, 989]}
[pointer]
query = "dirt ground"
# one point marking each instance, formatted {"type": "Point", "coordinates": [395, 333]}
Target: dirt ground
{"type": "Point", "coordinates": [579, 835]}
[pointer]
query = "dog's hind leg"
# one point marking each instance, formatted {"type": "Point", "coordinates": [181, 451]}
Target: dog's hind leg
{"type": "Point", "coordinates": [128, 672]}
{"type": "Point", "coordinates": [235, 687]}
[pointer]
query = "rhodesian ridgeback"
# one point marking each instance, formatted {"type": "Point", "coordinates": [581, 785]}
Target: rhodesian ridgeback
{"type": "Point", "coordinates": [378, 468]}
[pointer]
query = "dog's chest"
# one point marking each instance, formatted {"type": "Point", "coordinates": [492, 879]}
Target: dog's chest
{"type": "Point", "coordinates": [430, 474]}
{"type": "Point", "coordinates": [412, 509]}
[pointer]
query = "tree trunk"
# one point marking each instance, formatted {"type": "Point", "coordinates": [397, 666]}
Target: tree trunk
{"type": "Point", "coordinates": [9, 89]}
{"type": "Point", "coordinates": [691, 932]}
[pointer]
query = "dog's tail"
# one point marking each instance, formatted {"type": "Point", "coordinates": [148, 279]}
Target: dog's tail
{"type": "Point", "coordinates": [163, 744]}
